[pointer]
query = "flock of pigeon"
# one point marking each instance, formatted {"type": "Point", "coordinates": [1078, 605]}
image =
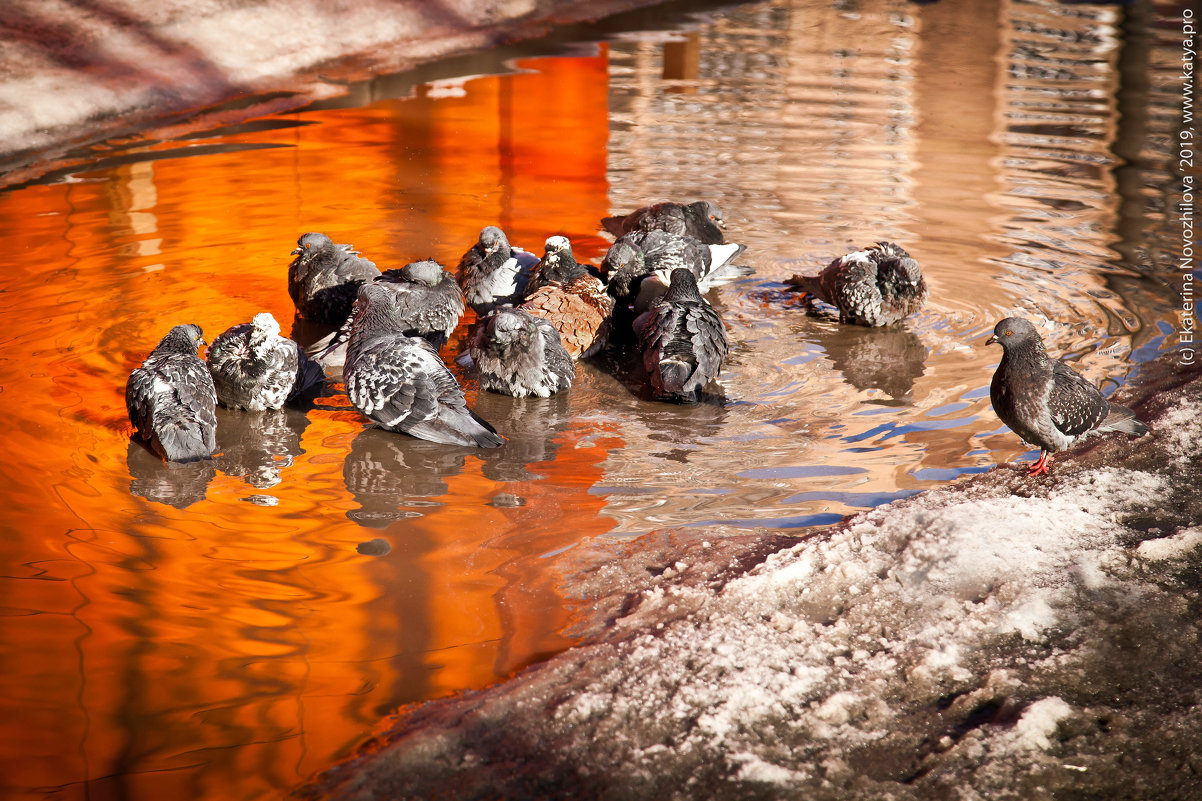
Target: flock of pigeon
{"type": "Point", "coordinates": [535, 319]}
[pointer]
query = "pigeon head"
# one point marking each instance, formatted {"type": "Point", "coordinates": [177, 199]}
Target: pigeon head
{"type": "Point", "coordinates": [310, 244]}
{"type": "Point", "coordinates": [683, 286]}
{"type": "Point", "coordinates": [375, 309]}
{"type": "Point", "coordinates": [507, 327]}
{"type": "Point", "coordinates": [264, 324]}
{"type": "Point", "coordinates": [623, 265]}
{"type": "Point", "coordinates": [1015, 334]}
{"type": "Point", "coordinates": [493, 240]}
{"type": "Point", "coordinates": [428, 272]}
{"type": "Point", "coordinates": [181, 339]}
{"type": "Point", "coordinates": [558, 263]}
{"type": "Point", "coordinates": [708, 210]}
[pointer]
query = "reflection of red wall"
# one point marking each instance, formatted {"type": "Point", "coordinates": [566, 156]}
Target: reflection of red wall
{"type": "Point", "coordinates": [254, 640]}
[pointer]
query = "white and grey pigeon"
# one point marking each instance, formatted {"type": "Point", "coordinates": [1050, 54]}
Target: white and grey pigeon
{"type": "Point", "coordinates": [324, 278]}
{"type": "Point", "coordinates": [653, 255]}
{"type": "Point", "coordinates": [520, 354]}
{"type": "Point", "coordinates": [171, 399]}
{"type": "Point", "coordinates": [876, 286]}
{"type": "Point", "coordinates": [682, 339]}
{"type": "Point", "coordinates": [428, 304]}
{"type": "Point", "coordinates": [255, 368]}
{"type": "Point", "coordinates": [1045, 401]}
{"type": "Point", "coordinates": [701, 220]}
{"type": "Point", "coordinates": [493, 273]}
{"type": "Point", "coordinates": [400, 383]}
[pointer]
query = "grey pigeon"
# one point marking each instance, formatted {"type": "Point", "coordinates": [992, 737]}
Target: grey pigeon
{"type": "Point", "coordinates": [701, 220]}
{"type": "Point", "coordinates": [171, 399]}
{"type": "Point", "coordinates": [640, 254]}
{"type": "Point", "coordinates": [428, 301]}
{"type": "Point", "coordinates": [255, 368]}
{"type": "Point", "coordinates": [493, 273]}
{"type": "Point", "coordinates": [877, 286]}
{"type": "Point", "coordinates": [519, 354]}
{"type": "Point", "coordinates": [1045, 401]}
{"type": "Point", "coordinates": [571, 299]}
{"type": "Point", "coordinates": [400, 382]}
{"type": "Point", "coordinates": [324, 278]}
{"type": "Point", "coordinates": [682, 340]}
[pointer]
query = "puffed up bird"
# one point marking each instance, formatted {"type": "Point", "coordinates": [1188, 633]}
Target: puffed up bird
{"type": "Point", "coordinates": [255, 368]}
{"type": "Point", "coordinates": [324, 278]}
{"type": "Point", "coordinates": [493, 273]}
{"type": "Point", "coordinates": [682, 340]}
{"type": "Point", "coordinates": [640, 254]}
{"type": "Point", "coordinates": [1045, 401]}
{"type": "Point", "coordinates": [701, 220]}
{"type": "Point", "coordinates": [519, 354]}
{"type": "Point", "coordinates": [400, 383]}
{"type": "Point", "coordinates": [171, 399]}
{"type": "Point", "coordinates": [571, 299]}
{"type": "Point", "coordinates": [877, 286]}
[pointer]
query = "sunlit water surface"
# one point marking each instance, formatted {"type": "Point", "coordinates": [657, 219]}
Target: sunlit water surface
{"type": "Point", "coordinates": [223, 630]}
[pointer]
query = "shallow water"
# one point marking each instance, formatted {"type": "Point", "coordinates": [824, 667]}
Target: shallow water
{"type": "Point", "coordinates": [223, 630]}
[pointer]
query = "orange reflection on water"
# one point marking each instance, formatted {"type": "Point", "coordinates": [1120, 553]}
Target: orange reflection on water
{"type": "Point", "coordinates": [211, 631]}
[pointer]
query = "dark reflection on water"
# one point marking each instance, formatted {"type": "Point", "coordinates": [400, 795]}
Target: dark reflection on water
{"type": "Point", "coordinates": [170, 483]}
{"type": "Point", "coordinates": [258, 447]}
{"type": "Point", "coordinates": [530, 426]}
{"type": "Point", "coordinates": [385, 471]}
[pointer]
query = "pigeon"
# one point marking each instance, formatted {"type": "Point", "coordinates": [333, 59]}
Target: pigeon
{"type": "Point", "coordinates": [400, 383]}
{"type": "Point", "coordinates": [877, 286]}
{"type": "Point", "coordinates": [492, 273]}
{"type": "Point", "coordinates": [519, 354]}
{"type": "Point", "coordinates": [682, 340]}
{"type": "Point", "coordinates": [701, 220]}
{"type": "Point", "coordinates": [324, 277]}
{"type": "Point", "coordinates": [639, 254]}
{"type": "Point", "coordinates": [571, 299]}
{"type": "Point", "coordinates": [171, 399]}
{"type": "Point", "coordinates": [1045, 401]}
{"type": "Point", "coordinates": [255, 368]}
{"type": "Point", "coordinates": [429, 304]}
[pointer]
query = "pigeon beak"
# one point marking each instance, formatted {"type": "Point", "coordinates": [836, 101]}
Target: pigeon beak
{"type": "Point", "coordinates": [298, 251]}
{"type": "Point", "coordinates": [993, 340]}
{"type": "Point", "coordinates": [721, 224]}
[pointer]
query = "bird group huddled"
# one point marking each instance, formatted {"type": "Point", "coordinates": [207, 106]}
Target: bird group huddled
{"type": "Point", "coordinates": [535, 318]}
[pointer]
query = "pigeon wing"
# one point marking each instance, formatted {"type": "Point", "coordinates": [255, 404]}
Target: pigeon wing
{"type": "Point", "coordinates": [1076, 405]}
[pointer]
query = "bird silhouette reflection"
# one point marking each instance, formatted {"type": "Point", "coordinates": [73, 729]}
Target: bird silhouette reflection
{"type": "Point", "coordinates": [258, 446]}
{"type": "Point", "coordinates": [889, 359]}
{"type": "Point", "coordinates": [530, 426]}
{"type": "Point", "coordinates": [177, 484]}
{"type": "Point", "coordinates": [385, 471]}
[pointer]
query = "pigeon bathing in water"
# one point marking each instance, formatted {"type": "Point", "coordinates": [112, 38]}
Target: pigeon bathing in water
{"type": "Point", "coordinates": [171, 399]}
{"type": "Point", "coordinates": [492, 273]}
{"type": "Point", "coordinates": [701, 220]}
{"type": "Point", "coordinates": [519, 354]}
{"type": "Point", "coordinates": [876, 286]}
{"type": "Point", "coordinates": [572, 300]}
{"type": "Point", "coordinates": [682, 340]}
{"type": "Point", "coordinates": [400, 382]}
{"type": "Point", "coordinates": [640, 254]}
{"type": "Point", "coordinates": [255, 368]}
{"type": "Point", "coordinates": [324, 278]}
{"type": "Point", "coordinates": [1045, 401]}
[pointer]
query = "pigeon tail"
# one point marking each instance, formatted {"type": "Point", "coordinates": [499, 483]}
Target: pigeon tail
{"type": "Point", "coordinates": [809, 284]}
{"type": "Point", "coordinates": [1123, 419]}
{"type": "Point", "coordinates": [672, 379]}
{"type": "Point", "coordinates": [182, 441]}
{"type": "Point", "coordinates": [309, 376]}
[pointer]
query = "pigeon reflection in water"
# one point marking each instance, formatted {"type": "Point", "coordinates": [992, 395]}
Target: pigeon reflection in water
{"type": "Point", "coordinates": [258, 446]}
{"type": "Point", "coordinates": [886, 359]}
{"type": "Point", "coordinates": [385, 472]}
{"type": "Point", "coordinates": [177, 484]}
{"type": "Point", "coordinates": [532, 424]}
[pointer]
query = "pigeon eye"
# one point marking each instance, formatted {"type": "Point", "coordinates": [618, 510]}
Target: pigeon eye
{"type": "Point", "coordinates": [1007, 333]}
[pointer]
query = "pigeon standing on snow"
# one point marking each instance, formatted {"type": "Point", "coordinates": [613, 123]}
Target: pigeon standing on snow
{"type": "Point", "coordinates": [570, 299]}
{"type": "Point", "coordinates": [520, 354]}
{"type": "Point", "coordinates": [682, 340]}
{"type": "Point", "coordinates": [400, 382]}
{"type": "Point", "coordinates": [324, 278]}
{"type": "Point", "coordinates": [171, 399]}
{"type": "Point", "coordinates": [1045, 401]}
{"type": "Point", "coordinates": [876, 286]}
{"type": "Point", "coordinates": [255, 368]}
{"type": "Point", "coordinates": [493, 273]}
{"type": "Point", "coordinates": [701, 220]}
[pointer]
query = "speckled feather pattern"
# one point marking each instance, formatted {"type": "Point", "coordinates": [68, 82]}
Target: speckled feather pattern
{"type": "Point", "coordinates": [683, 341]}
{"type": "Point", "coordinates": [701, 220]}
{"type": "Point", "coordinates": [640, 253]}
{"type": "Point", "coordinates": [324, 278]}
{"type": "Point", "coordinates": [255, 368]}
{"type": "Point", "coordinates": [519, 354]}
{"type": "Point", "coordinates": [171, 399]}
{"type": "Point", "coordinates": [429, 302]}
{"type": "Point", "coordinates": [572, 300]}
{"type": "Point", "coordinates": [877, 286]}
{"type": "Point", "coordinates": [493, 273]}
{"type": "Point", "coordinates": [401, 383]}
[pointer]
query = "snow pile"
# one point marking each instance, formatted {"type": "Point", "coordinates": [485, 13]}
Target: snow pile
{"type": "Point", "coordinates": [1001, 638]}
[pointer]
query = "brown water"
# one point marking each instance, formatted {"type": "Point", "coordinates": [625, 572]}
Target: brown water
{"type": "Point", "coordinates": [224, 630]}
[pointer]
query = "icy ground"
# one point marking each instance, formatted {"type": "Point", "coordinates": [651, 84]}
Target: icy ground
{"type": "Point", "coordinates": [1002, 638]}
